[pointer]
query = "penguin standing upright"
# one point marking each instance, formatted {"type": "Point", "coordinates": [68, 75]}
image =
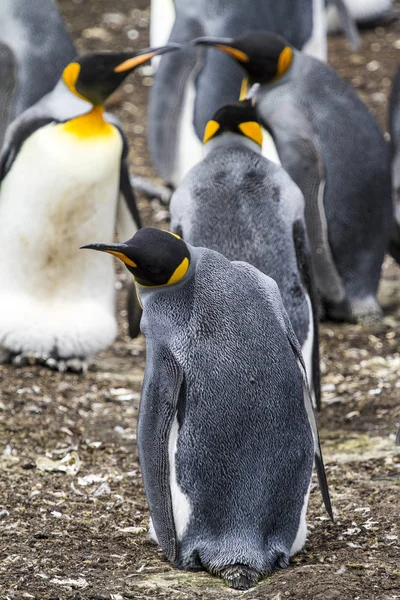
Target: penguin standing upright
{"type": "Point", "coordinates": [188, 89]}
{"type": "Point", "coordinates": [394, 126]}
{"type": "Point", "coordinates": [332, 147]}
{"type": "Point", "coordinates": [364, 12]}
{"type": "Point", "coordinates": [247, 208]}
{"type": "Point", "coordinates": [226, 429]}
{"type": "Point", "coordinates": [61, 170]}
{"type": "Point", "coordinates": [34, 48]}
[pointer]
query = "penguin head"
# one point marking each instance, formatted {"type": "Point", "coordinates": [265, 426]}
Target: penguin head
{"type": "Point", "coordinates": [239, 117]}
{"type": "Point", "coordinates": [154, 257]}
{"type": "Point", "coordinates": [264, 56]}
{"type": "Point", "coordinates": [94, 77]}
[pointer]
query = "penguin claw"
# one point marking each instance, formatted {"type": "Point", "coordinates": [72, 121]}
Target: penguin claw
{"type": "Point", "coordinates": [23, 359]}
{"type": "Point", "coordinates": [239, 577]}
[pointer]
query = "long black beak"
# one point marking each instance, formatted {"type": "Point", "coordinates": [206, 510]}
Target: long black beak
{"type": "Point", "coordinates": [105, 247]}
{"type": "Point", "coordinates": [211, 41]}
{"type": "Point", "coordinates": [143, 56]}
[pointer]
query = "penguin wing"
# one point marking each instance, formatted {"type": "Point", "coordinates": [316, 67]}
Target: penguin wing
{"type": "Point", "coordinates": [303, 162]}
{"type": "Point", "coordinates": [304, 263]}
{"type": "Point", "coordinates": [8, 78]}
{"type": "Point", "coordinates": [125, 182]}
{"type": "Point", "coordinates": [319, 462]}
{"type": "Point", "coordinates": [14, 143]}
{"type": "Point", "coordinates": [347, 23]}
{"type": "Point", "coordinates": [162, 388]}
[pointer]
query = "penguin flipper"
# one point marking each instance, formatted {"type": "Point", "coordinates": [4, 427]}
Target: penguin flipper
{"type": "Point", "coordinates": [8, 78]}
{"type": "Point", "coordinates": [11, 149]}
{"type": "Point", "coordinates": [162, 386]}
{"type": "Point", "coordinates": [125, 185]}
{"type": "Point", "coordinates": [347, 23]}
{"type": "Point", "coordinates": [304, 263]}
{"type": "Point", "coordinates": [319, 462]}
{"type": "Point", "coordinates": [305, 166]}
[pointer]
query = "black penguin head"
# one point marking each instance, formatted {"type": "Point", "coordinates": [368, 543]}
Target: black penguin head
{"type": "Point", "coordinates": [240, 118]}
{"type": "Point", "coordinates": [264, 56]}
{"type": "Point", "coordinates": [94, 77]}
{"type": "Point", "coordinates": [153, 257]}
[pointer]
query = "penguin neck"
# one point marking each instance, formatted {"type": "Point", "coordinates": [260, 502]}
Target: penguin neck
{"type": "Point", "coordinates": [91, 124]}
{"type": "Point", "coordinates": [230, 140]}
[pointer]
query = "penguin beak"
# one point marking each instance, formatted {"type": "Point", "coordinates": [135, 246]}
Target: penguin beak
{"type": "Point", "coordinates": [118, 250]}
{"type": "Point", "coordinates": [224, 44]}
{"type": "Point", "coordinates": [138, 59]}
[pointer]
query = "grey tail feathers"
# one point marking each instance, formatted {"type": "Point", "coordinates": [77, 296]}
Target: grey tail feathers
{"type": "Point", "coordinates": [239, 577]}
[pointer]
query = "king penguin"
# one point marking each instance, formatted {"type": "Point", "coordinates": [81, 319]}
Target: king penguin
{"type": "Point", "coordinates": [364, 12]}
{"type": "Point", "coordinates": [188, 89]}
{"type": "Point", "coordinates": [332, 147]}
{"type": "Point", "coordinates": [34, 49]}
{"type": "Point", "coordinates": [61, 171]}
{"type": "Point", "coordinates": [226, 430]}
{"type": "Point", "coordinates": [246, 207]}
{"type": "Point", "coordinates": [394, 126]}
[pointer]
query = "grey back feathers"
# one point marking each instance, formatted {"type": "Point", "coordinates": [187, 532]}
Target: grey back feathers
{"type": "Point", "coordinates": [218, 346]}
{"type": "Point", "coordinates": [241, 205]}
{"type": "Point", "coordinates": [333, 149]}
{"type": "Point", "coordinates": [34, 48]}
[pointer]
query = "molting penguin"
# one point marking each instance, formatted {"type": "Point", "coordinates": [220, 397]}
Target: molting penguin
{"type": "Point", "coordinates": [394, 126]}
{"type": "Point", "coordinates": [226, 429]}
{"type": "Point", "coordinates": [248, 208]}
{"type": "Point", "coordinates": [34, 48]}
{"type": "Point", "coordinates": [333, 149]}
{"type": "Point", "coordinates": [188, 89]}
{"type": "Point", "coordinates": [61, 171]}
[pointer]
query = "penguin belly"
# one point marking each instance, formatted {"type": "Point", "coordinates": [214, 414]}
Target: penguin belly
{"type": "Point", "coordinates": [317, 45]}
{"type": "Point", "coordinates": [61, 191]}
{"type": "Point", "coordinates": [189, 147]}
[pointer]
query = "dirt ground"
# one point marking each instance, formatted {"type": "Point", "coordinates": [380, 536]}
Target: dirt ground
{"type": "Point", "coordinates": [83, 535]}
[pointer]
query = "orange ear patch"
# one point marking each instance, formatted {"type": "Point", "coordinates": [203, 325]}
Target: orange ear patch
{"type": "Point", "coordinates": [284, 61]}
{"type": "Point", "coordinates": [70, 76]}
{"type": "Point", "coordinates": [210, 130]}
{"type": "Point", "coordinates": [253, 131]}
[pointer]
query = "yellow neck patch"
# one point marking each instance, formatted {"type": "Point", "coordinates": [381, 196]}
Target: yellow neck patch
{"type": "Point", "coordinates": [238, 54]}
{"type": "Point", "coordinates": [210, 130]}
{"type": "Point", "coordinates": [284, 61]}
{"type": "Point", "coordinates": [179, 272]}
{"type": "Point", "coordinates": [91, 124]}
{"type": "Point", "coordinates": [253, 131]}
{"type": "Point", "coordinates": [244, 88]}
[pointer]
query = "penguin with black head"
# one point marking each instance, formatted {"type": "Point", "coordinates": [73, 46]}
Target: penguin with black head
{"type": "Point", "coordinates": [247, 207]}
{"type": "Point", "coordinates": [226, 431]}
{"type": "Point", "coordinates": [333, 149]}
{"type": "Point", "coordinates": [62, 168]}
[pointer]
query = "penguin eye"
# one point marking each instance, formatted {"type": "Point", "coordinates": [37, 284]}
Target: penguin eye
{"type": "Point", "coordinates": [154, 270]}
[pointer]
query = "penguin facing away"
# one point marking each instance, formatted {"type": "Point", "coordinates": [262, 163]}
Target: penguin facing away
{"type": "Point", "coordinates": [244, 206]}
{"type": "Point", "coordinates": [61, 172]}
{"type": "Point", "coordinates": [224, 378]}
{"type": "Point", "coordinates": [394, 126]}
{"type": "Point", "coordinates": [188, 88]}
{"type": "Point", "coordinates": [34, 48]}
{"type": "Point", "coordinates": [333, 149]}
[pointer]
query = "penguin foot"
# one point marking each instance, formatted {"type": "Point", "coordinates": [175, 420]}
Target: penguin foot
{"type": "Point", "coordinates": [23, 359]}
{"type": "Point", "coordinates": [152, 190]}
{"type": "Point", "coordinates": [239, 577]}
{"type": "Point", "coordinates": [365, 311]}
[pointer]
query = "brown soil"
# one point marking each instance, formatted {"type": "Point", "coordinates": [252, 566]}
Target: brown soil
{"type": "Point", "coordinates": [61, 539]}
